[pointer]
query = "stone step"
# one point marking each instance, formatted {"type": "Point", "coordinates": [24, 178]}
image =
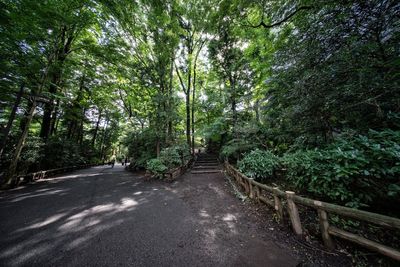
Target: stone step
{"type": "Point", "coordinates": [206, 164]}
{"type": "Point", "coordinates": [205, 167]}
{"type": "Point", "coordinates": [205, 171]}
{"type": "Point", "coordinates": [207, 157]}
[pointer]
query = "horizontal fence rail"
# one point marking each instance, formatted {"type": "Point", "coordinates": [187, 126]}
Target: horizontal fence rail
{"type": "Point", "coordinates": [34, 176]}
{"type": "Point", "coordinates": [174, 173]}
{"type": "Point", "coordinates": [254, 189]}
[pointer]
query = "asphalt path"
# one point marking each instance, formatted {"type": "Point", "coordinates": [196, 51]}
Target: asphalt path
{"type": "Point", "coordinates": [110, 217]}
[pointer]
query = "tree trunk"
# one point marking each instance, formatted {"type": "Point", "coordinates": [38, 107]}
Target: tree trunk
{"type": "Point", "coordinates": [194, 91]}
{"type": "Point", "coordinates": [54, 120]}
{"type": "Point", "coordinates": [193, 102]}
{"type": "Point", "coordinates": [11, 118]}
{"type": "Point", "coordinates": [171, 78]}
{"type": "Point", "coordinates": [103, 140]}
{"type": "Point", "coordinates": [257, 111]}
{"type": "Point", "coordinates": [97, 128]}
{"type": "Point", "coordinates": [49, 107]}
{"type": "Point", "coordinates": [233, 105]}
{"type": "Point", "coordinates": [10, 176]}
{"type": "Point", "coordinates": [188, 121]}
{"type": "Point", "coordinates": [81, 128]}
{"type": "Point", "coordinates": [62, 51]}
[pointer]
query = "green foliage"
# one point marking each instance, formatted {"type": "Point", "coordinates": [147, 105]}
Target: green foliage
{"type": "Point", "coordinates": [32, 155]}
{"type": "Point", "coordinates": [170, 157]}
{"type": "Point", "coordinates": [349, 170]}
{"type": "Point", "coordinates": [156, 167]}
{"type": "Point", "coordinates": [59, 152]}
{"type": "Point", "coordinates": [235, 148]}
{"type": "Point", "coordinates": [141, 147]}
{"type": "Point", "coordinates": [259, 164]}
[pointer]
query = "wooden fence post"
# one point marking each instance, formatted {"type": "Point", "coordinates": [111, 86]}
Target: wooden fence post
{"type": "Point", "coordinates": [247, 183]}
{"type": "Point", "coordinates": [294, 213]}
{"type": "Point", "coordinates": [278, 205]}
{"type": "Point", "coordinates": [251, 192]}
{"type": "Point", "coordinates": [324, 227]}
{"type": "Point", "coordinates": [257, 193]}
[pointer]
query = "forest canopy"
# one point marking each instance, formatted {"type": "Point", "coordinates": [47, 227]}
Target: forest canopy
{"type": "Point", "coordinates": [305, 88]}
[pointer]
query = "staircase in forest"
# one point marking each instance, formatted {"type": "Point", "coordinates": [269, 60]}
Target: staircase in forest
{"type": "Point", "coordinates": [206, 163]}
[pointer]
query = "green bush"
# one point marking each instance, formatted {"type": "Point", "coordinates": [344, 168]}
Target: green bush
{"type": "Point", "coordinates": [156, 167]}
{"type": "Point", "coordinates": [175, 155]}
{"type": "Point", "coordinates": [60, 152]}
{"type": "Point", "coordinates": [235, 148]}
{"type": "Point", "coordinates": [141, 147]}
{"type": "Point", "coordinates": [170, 157]}
{"type": "Point", "coordinates": [32, 155]}
{"type": "Point", "coordinates": [259, 164]}
{"type": "Point", "coordinates": [350, 170]}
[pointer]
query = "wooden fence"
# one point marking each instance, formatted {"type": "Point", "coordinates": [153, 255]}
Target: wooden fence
{"type": "Point", "coordinates": [174, 173]}
{"type": "Point", "coordinates": [254, 190]}
{"type": "Point", "coordinates": [34, 176]}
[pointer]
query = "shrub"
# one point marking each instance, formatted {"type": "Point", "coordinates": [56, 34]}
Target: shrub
{"type": "Point", "coordinates": [156, 167]}
{"type": "Point", "coordinates": [170, 158]}
{"type": "Point", "coordinates": [141, 147]}
{"type": "Point", "coordinates": [350, 170]}
{"type": "Point", "coordinates": [234, 148]}
{"type": "Point", "coordinates": [31, 155]}
{"type": "Point", "coordinates": [259, 164]}
{"type": "Point", "coordinates": [175, 155]}
{"type": "Point", "coordinates": [59, 152]}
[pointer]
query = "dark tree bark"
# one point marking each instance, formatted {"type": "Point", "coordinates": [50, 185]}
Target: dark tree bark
{"type": "Point", "coordinates": [64, 48]}
{"type": "Point", "coordinates": [49, 108]}
{"type": "Point", "coordinates": [10, 178]}
{"type": "Point", "coordinates": [194, 92]}
{"type": "Point", "coordinates": [278, 23]}
{"type": "Point", "coordinates": [54, 120]}
{"type": "Point", "coordinates": [11, 118]}
{"type": "Point", "coordinates": [97, 128]}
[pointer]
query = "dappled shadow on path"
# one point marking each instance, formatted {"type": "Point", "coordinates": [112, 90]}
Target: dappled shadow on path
{"type": "Point", "coordinates": [109, 217]}
{"type": "Point", "coordinates": [43, 221]}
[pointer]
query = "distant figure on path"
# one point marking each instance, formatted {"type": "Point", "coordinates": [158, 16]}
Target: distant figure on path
{"type": "Point", "coordinates": [112, 161]}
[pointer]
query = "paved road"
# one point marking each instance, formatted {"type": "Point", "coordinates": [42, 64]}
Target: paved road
{"type": "Point", "coordinates": [109, 217]}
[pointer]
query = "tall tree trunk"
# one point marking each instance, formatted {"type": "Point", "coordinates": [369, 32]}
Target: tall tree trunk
{"type": "Point", "coordinates": [62, 51]}
{"type": "Point", "coordinates": [193, 102]}
{"type": "Point", "coordinates": [257, 111]}
{"type": "Point", "coordinates": [57, 123]}
{"type": "Point", "coordinates": [54, 120]}
{"type": "Point", "coordinates": [11, 118]}
{"type": "Point", "coordinates": [186, 90]}
{"type": "Point", "coordinates": [49, 107]}
{"type": "Point", "coordinates": [81, 129]}
{"type": "Point", "coordinates": [103, 140]}
{"type": "Point", "coordinates": [158, 148]}
{"type": "Point", "coordinates": [169, 123]}
{"type": "Point", "coordinates": [97, 128]}
{"type": "Point", "coordinates": [10, 176]}
{"type": "Point", "coordinates": [233, 105]}
{"type": "Point", "coordinates": [188, 121]}
{"type": "Point", "coordinates": [194, 91]}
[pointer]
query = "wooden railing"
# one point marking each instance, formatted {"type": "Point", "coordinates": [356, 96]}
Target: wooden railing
{"type": "Point", "coordinates": [48, 173]}
{"type": "Point", "coordinates": [176, 172]}
{"type": "Point", "coordinates": [254, 190]}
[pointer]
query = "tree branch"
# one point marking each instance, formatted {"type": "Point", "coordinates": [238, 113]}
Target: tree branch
{"type": "Point", "coordinates": [268, 26]}
{"type": "Point", "coordinates": [180, 80]}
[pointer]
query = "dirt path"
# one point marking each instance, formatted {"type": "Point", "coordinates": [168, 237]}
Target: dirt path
{"type": "Point", "coordinates": [109, 217]}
